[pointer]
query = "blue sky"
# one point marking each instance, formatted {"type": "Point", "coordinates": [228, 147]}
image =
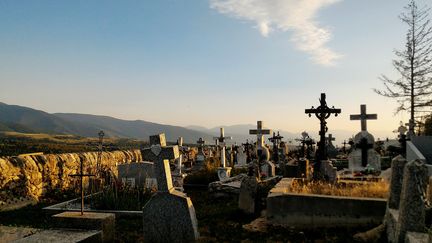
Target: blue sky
{"type": "Point", "coordinates": [199, 62]}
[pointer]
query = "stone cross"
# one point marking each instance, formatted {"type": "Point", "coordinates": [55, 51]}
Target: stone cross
{"type": "Point", "coordinates": [247, 147]}
{"type": "Point", "coordinates": [330, 138]}
{"type": "Point", "coordinates": [344, 146]}
{"type": "Point", "coordinates": [322, 112]}
{"type": "Point", "coordinates": [81, 175]}
{"type": "Point", "coordinates": [363, 117]}
{"type": "Point", "coordinates": [221, 141]}
{"type": "Point", "coordinates": [160, 154]}
{"type": "Point", "coordinates": [411, 126]}
{"type": "Point", "coordinates": [260, 132]}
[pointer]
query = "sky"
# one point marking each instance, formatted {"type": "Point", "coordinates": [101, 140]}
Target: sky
{"type": "Point", "coordinates": [203, 62]}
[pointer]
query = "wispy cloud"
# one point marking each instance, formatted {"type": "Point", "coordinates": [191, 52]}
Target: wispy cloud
{"type": "Point", "coordinates": [296, 16]}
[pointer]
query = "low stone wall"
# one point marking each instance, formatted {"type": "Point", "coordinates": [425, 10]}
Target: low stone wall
{"type": "Point", "coordinates": [313, 211]}
{"type": "Point", "coordinates": [33, 175]}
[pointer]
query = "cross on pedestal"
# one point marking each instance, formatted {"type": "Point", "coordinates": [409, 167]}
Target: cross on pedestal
{"type": "Point", "coordinates": [275, 139]}
{"type": "Point", "coordinates": [322, 112]}
{"type": "Point", "coordinates": [363, 117]}
{"type": "Point", "coordinates": [221, 141]}
{"type": "Point", "coordinates": [330, 138]}
{"type": "Point", "coordinates": [160, 154]}
{"type": "Point", "coordinates": [260, 132]}
{"type": "Point", "coordinates": [248, 146]}
{"type": "Point", "coordinates": [81, 175]}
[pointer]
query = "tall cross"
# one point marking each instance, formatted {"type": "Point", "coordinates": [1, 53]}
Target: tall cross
{"type": "Point", "coordinates": [160, 154]}
{"type": "Point", "coordinates": [322, 112]}
{"type": "Point", "coordinates": [363, 117]}
{"type": "Point", "coordinates": [260, 132]}
{"type": "Point", "coordinates": [81, 175]}
{"type": "Point", "coordinates": [221, 141]}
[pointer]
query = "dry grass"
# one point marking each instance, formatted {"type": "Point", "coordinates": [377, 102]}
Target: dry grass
{"type": "Point", "coordinates": [358, 189]}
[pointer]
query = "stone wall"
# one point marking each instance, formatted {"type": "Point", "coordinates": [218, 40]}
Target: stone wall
{"type": "Point", "coordinates": [33, 175]}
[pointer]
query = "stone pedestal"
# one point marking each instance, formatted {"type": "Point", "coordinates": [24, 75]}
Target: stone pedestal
{"type": "Point", "coordinates": [170, 217]}
{"type": "Point", "coordinates": [248, 193]}
{"type": "Point", "coordinates": [224, 173]}
{"type": "Point", "coordinates": [93, 221]}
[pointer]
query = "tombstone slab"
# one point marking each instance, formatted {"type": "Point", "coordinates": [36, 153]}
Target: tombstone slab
{"type": "Point", "coordinates": [170, 217]}
{"type": "Point", "coordinates": [248, 194]}
{"type": "Point", "coordinates": [268, 169]}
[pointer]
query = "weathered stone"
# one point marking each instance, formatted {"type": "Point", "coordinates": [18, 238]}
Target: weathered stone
{"type": "Point", "coordinates": [268, 169]}
{"type": "Point", "coordinates": [248, 194]}
{"type": "Point", "coordinates": [397, 168]}
{"type": "Point", "coordinates": [412, 208]}
{"type": "Point", "coordinates": [170, 217]}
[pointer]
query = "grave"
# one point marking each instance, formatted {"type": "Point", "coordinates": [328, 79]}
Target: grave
{"type": "Point", "coordinates": [332, 152]}
{"type": "Point", "coordinates": [364, 157]}
{"type": "Point", "coordinates": [169, 216]}
{"type": "Point", "coordinates": [267, 168]}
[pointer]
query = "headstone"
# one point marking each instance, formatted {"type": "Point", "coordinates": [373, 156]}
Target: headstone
{"type": "Point", "coordinates": [322, 112]}
{"type": "Point", "coordinates": [241, 158]}
{"type": "Point", "coordinates": [268, 169]}
{"type": "Point", "coordinates": [331, 149]}
{"type": "Point", "coordinates": [248, 194]}
{"type": "Point", "coordinates": [200, 155]}
{"type": "Point", "coordinates": [328, 170]}
{"type": "Point", "coordinates": [136, 174]}
{"type": "Point", "coordinates": [169, 216]}
{"type": "Point", "coordinates": [397, 168]}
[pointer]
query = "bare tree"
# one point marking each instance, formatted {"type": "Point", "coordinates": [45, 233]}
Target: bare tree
{"type": "Point", "coordinates": [414, 63]}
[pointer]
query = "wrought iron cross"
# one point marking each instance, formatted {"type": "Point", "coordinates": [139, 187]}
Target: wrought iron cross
{"type": "Point", "coordinates": [247, 147]}
{"type": "Point", "coordinates": [81, 175]}
{"type": "Point", "coordinates": [322, 112]}
{"type": "Point", "coordinates": [363, 117]}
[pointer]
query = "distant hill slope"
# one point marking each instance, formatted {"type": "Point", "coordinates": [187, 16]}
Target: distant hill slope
{"type": "Point", "coordinates": [28, 120]}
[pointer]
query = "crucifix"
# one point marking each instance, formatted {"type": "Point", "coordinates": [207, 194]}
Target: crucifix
{"type": "Point", "coordinates": [363, 117]}
{"type": "Point", "coordinates": [259, 132]}
{"type": "Point", "coordinates": [221, 141]}
{"type": "Point", "coordinates": [322, 112]}
{"type": "Point", "coordinates": [81, 175]}
{"type": "Point", "coordinates": [275, 139]}
{"type": "Point", "coordinates": [160, 154]}
{"type": "Point", "coordinates": [247, 147]}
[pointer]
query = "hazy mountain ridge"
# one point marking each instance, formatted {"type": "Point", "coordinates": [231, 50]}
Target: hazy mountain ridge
{"type": "Point", "coordinates": [28, 120]}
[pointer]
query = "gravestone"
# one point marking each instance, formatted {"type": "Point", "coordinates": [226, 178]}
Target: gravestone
{"type": "Point", "coordinates": [268, 169]}
{"type": "Point", "coordinates": [241, 158]}
{"type": "Point", "coordinates": [248, 194]}
{"type": "Point", "coordinates": [138, 174]}
{"type": "Point", "coordinates": [275, 139]}
{"type": "Point", "coordinates": [169, 216]}
{"type": "Point", "coordinates": [263, 153]}
{"type": "Point", "coordinates": [331, 149]}
{"type": "Point", "coordinates": [200, 155]}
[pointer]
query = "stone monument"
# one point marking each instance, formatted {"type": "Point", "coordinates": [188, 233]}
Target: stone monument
{"type": "Point", "coordinates": [224, 171]}
{"type": "Point", "coordinates": [169, 216]}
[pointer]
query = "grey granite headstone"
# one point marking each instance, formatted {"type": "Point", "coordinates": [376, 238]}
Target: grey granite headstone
{"type": "Point", "coordinates": [169, 216]}
{"type": "Point", "coordinates": [412, 207]}
{"type": "Point", "coordinates": [136, 174]}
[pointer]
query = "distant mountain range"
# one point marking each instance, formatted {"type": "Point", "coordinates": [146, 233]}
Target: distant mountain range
{"type": "Point", "coordinates": [28, 120]}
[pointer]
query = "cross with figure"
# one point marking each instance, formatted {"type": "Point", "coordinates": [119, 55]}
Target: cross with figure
{"type": "Point", "coordinates": [81, 175]}
{"type": "Point", "coordinates": [322, 112]}
{"type": "Point", "coordinates": [363, 117]}
{"type": "Point", "coordinates": [260, 132]}
{"type": "Point", "coordinates": [160, 154]}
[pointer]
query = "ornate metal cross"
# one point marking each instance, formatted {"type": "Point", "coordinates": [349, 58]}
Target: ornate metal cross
{"type": "Point", "coordinates": [275, 139]}
{"type": "Point", "coordinates": [81, 175]}
{"type": "Point", "coordinates": [363, 117]}
{"type": "Point", "coordinates": [248, 147]}
{"type": "Point", "coordinates": [322, 112]}
{"type": "Point", "coordinates": [160, 154]}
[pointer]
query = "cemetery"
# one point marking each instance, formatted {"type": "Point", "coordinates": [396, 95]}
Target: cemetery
{"type": "Point", "coordinates": [70, 177]}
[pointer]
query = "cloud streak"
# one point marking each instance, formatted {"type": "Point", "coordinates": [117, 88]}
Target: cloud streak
{"type": "Point", "coordinates": [295, 16]}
